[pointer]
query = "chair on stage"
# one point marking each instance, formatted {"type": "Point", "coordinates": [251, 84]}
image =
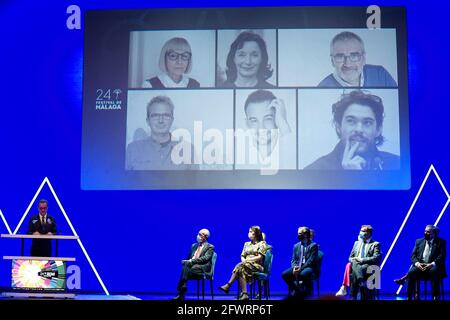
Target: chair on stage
{"type": "Point", "coordinates": [425, 281]}
{"type": "Point", "coordinates": [262, 278]}
{"type": "Point", "coordinates": [316, 275]}
{"type": "Point", "coordinates": [206, 276]}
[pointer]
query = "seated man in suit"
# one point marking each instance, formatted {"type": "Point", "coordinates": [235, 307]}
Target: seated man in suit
{"type": "Point", "coordinates": [42, 224]}
{"type": "Point", "coordinates": [428, 261]}
{"type": "Point", "coordinates": [303, 264]}
{"type": "Point", "coordinates": [365, 252]}
{"type": "Point", "coordinates": [199, 261]}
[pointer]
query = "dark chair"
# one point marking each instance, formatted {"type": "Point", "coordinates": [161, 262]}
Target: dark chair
{"type": "Point", "coordinates": [425, 281]}
{"type": "Point", "coordinates": [365, 293]}
{"type": "Point", "coordinates": [262, 278]}
{"type": "Point", "coordinates": [369, 294]}
{"type": "Point", "coordinates": [316, 275]}
{"type": "Point", "coordinates": [206, 276]}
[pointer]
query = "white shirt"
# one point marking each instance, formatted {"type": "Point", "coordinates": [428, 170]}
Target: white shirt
{"type": "Point", "coordinates": [366, 249]}
{"type": "Point", "coordinates": [427, 251]}
{"type": "Point", "coordinates": [168, 82]}
{"type": "Point", "coordinates": [345, 83]}
{"type": "Point", "coordinates": [285, 150]}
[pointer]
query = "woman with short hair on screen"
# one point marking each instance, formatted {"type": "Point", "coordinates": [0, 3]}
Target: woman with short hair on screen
{"type": "Point", "coordinates": [252, 261]}
{"type": "Point", "coordinates": [247, 63]}
{"type": "Point", "coordinates": [175, 61]}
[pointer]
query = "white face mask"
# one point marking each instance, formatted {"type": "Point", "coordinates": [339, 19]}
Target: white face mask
{"type": "Point", "coordinates": [199, 239]}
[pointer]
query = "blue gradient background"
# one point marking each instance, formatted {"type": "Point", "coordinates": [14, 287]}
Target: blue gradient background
{"type": "Point", "coordinates": [41, 62]}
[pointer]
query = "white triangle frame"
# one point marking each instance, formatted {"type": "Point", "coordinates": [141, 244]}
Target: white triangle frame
{"type": "Point", "coordinates": [47, 181]}
{"type": "Point", "coordinates": [5, 222]}
{"type": "Point", "coordinates": [405, 220]}
{"type": "Point", "coordinates": [431, 169]}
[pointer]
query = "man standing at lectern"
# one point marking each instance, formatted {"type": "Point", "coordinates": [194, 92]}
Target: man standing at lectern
{"type": "Point", "coordinates": [199, 262]}
{"type": "Point", "coordinates": [43, 224]}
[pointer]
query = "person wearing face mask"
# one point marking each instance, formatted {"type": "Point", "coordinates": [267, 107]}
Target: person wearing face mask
{"type": "Point", "coordinates": [252, 261]}
{"type": "Point", "coordinates": [303, 264]}
{"type": "Point", "coordinates": [358, 120]}
{"type": "Point", "coordinates": [365, 252]}
{"type": "Point", "coordinates": [198, 262]}
{"type": "Point", "coordinates": [428, 262]}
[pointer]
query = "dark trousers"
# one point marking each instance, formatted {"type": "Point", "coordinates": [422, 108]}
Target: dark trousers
{"type": "Point", "coordinates": [305, 275]}
{"type": "Point", "coordinates": [415, 274]}
{"type": "Point", "coordinates": [194, 271]}
{"type": "Point", "coordinates": [41, 248]}
{"type": "Point", "coordinates": [357, 278]}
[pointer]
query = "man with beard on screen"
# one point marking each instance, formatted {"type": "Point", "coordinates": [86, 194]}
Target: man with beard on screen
{"type": "Point", "coordinates": [348, 57]}
{"type": "Point", "coordinates": [358, 120]}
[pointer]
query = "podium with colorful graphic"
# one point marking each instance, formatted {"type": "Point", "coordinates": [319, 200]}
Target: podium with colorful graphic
{"type": "Point", "coordinates": [38, 276]}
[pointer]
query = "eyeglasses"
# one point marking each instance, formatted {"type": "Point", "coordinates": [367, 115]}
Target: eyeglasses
{"type": "Point", "coordinates": [352, 57]}
{"type": "Point", "coordinates": [173, 56]}
{"type": "Point", "coordinates": [164, 116]}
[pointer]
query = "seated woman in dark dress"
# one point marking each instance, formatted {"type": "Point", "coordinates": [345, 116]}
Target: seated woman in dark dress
{"type": "Point", "coordinates": [252, 261]}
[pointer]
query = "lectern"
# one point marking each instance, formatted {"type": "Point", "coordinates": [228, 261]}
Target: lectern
{"type": "Point", "coordinates": [38, 276]}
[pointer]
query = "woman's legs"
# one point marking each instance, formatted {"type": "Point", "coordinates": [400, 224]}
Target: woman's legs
{"type": "Point", "coordinates": [226, 287]}
{"type": "Point", "coordinates": [346, 281]}
{"type": "Point", "coordinates": [243, 284]}
{"type": "Point", "coordinates": [233, 277]}
{"type": "Point", "coordinates": [347, 272]}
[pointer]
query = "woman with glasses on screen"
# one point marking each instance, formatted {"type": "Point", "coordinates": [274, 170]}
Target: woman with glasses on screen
{"type": "Point", "coordinates": [247, 63]}
{"type": "Point", "coordinates": [175, 61]}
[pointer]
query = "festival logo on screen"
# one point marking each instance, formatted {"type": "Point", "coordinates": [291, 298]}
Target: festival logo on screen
{"type": "Point", "coordinates": [38, 274]}
{"type": "Point", "coordinates": [108, 99]}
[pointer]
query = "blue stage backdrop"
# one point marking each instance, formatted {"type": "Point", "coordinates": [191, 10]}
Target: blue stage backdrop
{"type": "Point", "coordinates": [136, 239]}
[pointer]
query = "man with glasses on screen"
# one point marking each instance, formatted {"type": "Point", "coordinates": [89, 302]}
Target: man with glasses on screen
{"type": "Point", "coordinates": [358, 120]}
{"type": "Point", "coordinates": [348, 58]}
{"type": "Point", "coordinates": [159, 151]}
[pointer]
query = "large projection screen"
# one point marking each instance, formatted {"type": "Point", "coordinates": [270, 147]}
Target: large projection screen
{"type": "Point", "coordinates": [245, 98]}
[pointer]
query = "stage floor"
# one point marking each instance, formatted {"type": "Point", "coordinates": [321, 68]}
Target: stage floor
{"type": "Point", "coordinates": [189, 297]}
{"type": "Point", "coordinates": [232, 296]}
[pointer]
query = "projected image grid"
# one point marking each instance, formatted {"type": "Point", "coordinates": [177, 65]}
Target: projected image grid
{"type": "Point", "coordinates": [263, 99]}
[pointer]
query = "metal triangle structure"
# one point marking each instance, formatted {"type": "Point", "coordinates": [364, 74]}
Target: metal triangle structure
{"type": "Point", "coordinates": [405, 220]}
{"type": "Point", "coordinates": [47, 181]}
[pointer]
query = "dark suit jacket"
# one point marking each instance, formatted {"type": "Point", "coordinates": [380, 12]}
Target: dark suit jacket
{"type": "Point", "coordinates": [310, 253]}
{"type": "Point", "coordinates": [36, 225]}
{"type": "Point", "coordinates": [205, 258]}
{"type": "Point", "coordinates": [41, 247]}
{"type": "Point", "coordinates": [437, 255]}
{"type": "Point", "coordinates": [373, 252]}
